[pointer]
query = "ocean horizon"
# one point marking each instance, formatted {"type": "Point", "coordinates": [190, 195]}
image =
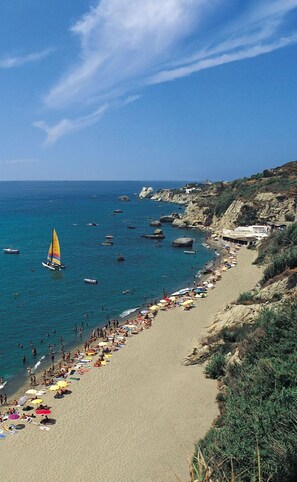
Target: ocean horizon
{"type": "Point", "coordinates": [38, 306]}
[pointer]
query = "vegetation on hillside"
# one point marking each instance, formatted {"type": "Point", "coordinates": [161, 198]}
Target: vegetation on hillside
{"type": "Point", "coordinates": [255, 436]}
{"type": "Point", "coordinates": [259, 407]}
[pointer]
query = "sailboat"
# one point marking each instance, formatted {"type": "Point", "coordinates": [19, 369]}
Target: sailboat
{"type": "Point", "coordinates": [54, 255]}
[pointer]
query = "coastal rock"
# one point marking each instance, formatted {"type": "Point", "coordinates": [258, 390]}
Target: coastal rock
{"type": "Point", "coordinates": [169, 219]}
{"type": "Point", "coordinates": [155, 223]}
{"type": "Point", "coordinates": [157, 234]}
{"type": "Point", "coordinates": [183, 242]}
{"type": "Point", "coordinates": [146, 193]}
{"type": "Point", "coordinates": [233, 317]}
{"type": "Point", "coordinates": [180, 223]}
{"type": "Point", "coordinates": [124, 198]}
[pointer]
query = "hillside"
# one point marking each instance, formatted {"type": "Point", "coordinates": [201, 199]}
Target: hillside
{"type": "Point", "coordinates": [251, 349]}
{"type": "Point", "coordinates": [269, 196]}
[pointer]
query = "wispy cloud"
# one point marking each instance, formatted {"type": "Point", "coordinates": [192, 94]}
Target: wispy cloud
{"type": "Point", "coordinates": [11, 162]}
{"type": "Point", "coordinates": [126, 45]}
{"type": "Point", "coordinates": [65, 126]}
{"type": "Point", "coordinates": [11, 62]}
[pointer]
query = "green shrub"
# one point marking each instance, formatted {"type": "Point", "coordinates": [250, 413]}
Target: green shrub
{"type": "Point", "coordinates": [215, 367]}
{"type": "Point", "coordinates": [245, 297]}
{"type": "Point", "coordinates": [288, 259]}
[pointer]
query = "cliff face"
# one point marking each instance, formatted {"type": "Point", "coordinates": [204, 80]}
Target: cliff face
{"type": "Point", "coordinates": [269, 196]}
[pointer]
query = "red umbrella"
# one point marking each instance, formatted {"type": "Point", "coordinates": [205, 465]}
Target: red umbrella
{"type": "Point", "coordinates": [13, 416]}
{"type": "Point", "coordinates": [42, 411]}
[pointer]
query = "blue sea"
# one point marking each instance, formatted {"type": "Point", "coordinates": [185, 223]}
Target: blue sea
{"type": "Point", "coordinates": [37, 304]}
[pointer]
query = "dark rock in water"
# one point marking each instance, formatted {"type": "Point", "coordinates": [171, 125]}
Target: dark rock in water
{"type": "Point", "coordinates": [124, 198]}
{"type": "Point", "coordinates": [170, 218]}
{"type": "Point", "coordinates": [155, 223]}
{"type": "Point", "coordinates": [131, 227]}
{"type": "Point", "coordinates": [183, 242]}
{"type": "Point", "coordinates": [153, 236]}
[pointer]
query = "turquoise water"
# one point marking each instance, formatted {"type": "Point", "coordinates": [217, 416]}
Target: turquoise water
{"type": "Point", "coordinates": [35, 302]}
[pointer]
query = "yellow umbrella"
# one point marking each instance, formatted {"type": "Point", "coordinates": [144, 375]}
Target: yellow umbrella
{"type": "Point", "coordinates": [154, 308]}
{"type": "Point", "coordinates": [53, 388]}
{"type": "Point", "coordinates": [62, 384]}
{"type": "Point", "coordinates": [36, 401]}
{"type": "Point", "coordinates": [31, 391]}
{"type": "Point", "coordinates": [89, 357]}
{"type": "Point", "coordinates": [188, 302]}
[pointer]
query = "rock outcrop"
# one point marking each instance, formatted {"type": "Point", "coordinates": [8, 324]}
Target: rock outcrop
{"type": "Point", "coordinates": [146, 192]}
{"type": "Point", "coordinates": [183, 242]}
{"type": "Point", "coordinates": [266, 197]}
{"type": "Point", "coordinates": [155, 223]}
{"type": "Point", "coordinates": [124, 198]}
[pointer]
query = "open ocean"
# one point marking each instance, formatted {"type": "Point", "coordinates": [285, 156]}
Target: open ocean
{"type": "Point", "coordinates": [35, 302]}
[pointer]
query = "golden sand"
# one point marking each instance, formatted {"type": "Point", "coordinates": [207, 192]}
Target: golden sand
{"type": "Point", "coordinates": [136, 419]}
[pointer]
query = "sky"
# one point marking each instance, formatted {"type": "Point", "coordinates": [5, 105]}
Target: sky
{"type": "Point", "coordinates": [146, 90]}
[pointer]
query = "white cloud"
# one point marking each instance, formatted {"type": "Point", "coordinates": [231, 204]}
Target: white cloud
{"type": "Point", "coordinates": [126, 45]}
{"type": "Point", "coordinates": [65, 126]}
{"type": "Point", "coordinates": [11, 62]}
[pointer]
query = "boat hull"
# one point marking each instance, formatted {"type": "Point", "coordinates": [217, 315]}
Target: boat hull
{"type": "Point", "coordinates": [91, 281]}
{"type": "Point", "coordinates": [52, 267]}
{"type": "Point", "coordinates": [11, 251]}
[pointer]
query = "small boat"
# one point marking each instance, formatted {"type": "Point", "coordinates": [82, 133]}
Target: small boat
{"type": "Point", "coordinates": [11, 251]}
{"type": "Point", "coordinates": [90, 281]}
{"type": "Point", "coordinates": [107, 243]}
{"type": "Point", "coordinates": [120, 258]}
{"type": "Point", "coordinates": [92, 224]}
{"type": "Point", "coordinates": [131, 227]}
{"type": "Point", "coordinates": [190, 251]}
{"type": "Point", "coordinates": [54, 255]}
{"type": "Point", "coordinates": [109, 236]}
{"type": "Point", "coordinates": [117, 211]}
{"type": "Point", "coordinates": [125, 292]}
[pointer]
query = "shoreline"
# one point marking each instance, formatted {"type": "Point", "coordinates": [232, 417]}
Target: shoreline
{"type": "Point", "coordinates": [138, 418]}
{"type": "Point", "coordinates": [24, 384]}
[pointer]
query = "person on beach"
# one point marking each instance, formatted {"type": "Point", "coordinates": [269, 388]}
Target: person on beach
{"type": "Point", "coordinates": [5, 399]}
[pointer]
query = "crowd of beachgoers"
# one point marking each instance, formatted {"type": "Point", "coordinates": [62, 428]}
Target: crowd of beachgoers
{"type": "Point", "coordinates": [36, 406]}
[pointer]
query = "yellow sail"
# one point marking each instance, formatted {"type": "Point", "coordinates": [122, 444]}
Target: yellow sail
{"type": "Point", "coordinates": [54, 254]}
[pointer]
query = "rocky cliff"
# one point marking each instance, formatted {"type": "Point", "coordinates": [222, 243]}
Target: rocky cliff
{"type": "Point", "coordinates": [265, 197]}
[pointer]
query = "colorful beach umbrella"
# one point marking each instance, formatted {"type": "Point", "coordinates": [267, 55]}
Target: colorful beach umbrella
{"type": "Point", "coordinates": [42, 411]}
{"type": "Point", "coordinates": [53, 388]}
{"type": "Point", "coordinates": [23, 400]}
{"type": "Point", "coordinates": [62, 384]}
{"type": "Point", "coordinates": [31, 391]}
{"type": "Point", "coordinates": [37, 401]}
{"type": "Point", "coordinates": [13, 416]}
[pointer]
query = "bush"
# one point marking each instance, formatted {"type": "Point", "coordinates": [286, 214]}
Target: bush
{"type": "Point", "coordinates": [215, 368]}
{"type": "Point", "coordinates": [288, 259]}
{"type": "Point", "coordinates": [245, 298]}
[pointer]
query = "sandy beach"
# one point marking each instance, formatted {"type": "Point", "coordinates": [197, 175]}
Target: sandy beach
{"type": "Point", "coordinates": [136, 419]}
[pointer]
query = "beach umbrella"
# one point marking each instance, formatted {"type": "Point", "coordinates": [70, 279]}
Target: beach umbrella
{"type": "Point", "coordinates": [37, 401]}
{"type": "Point", "coordinates": [32, 391]}
{"type": "Point", "coordinates": [102, 343]}
{"type": "Point", "coordinates": [144, 312]}
{"type": "Point", "coordinates": [163, 301]}
{"type": "Point", "coordinates": [53, 388]}
{"type": "Point", "coordinates": [172, 298]}
{"type": "Point", "coordinates": [62, 384]}
{"type": "Point", "coordinates": [13, 416]}
{"type": "Point", "coordinates": [187, 302]}
{"type": "Point", "coordinates": [23, 400]}
{"type": "Point", "coordinates": [42, 411]}
{"type": "Point", "coordinates": [154, 308]}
